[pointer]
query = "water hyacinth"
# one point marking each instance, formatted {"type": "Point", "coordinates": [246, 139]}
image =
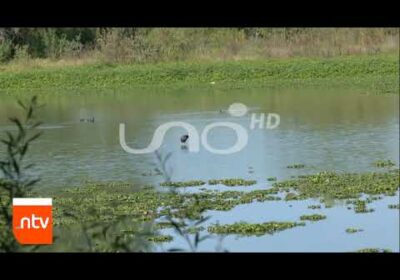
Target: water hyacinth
{"type": "Point", "coordinates": [246, 229]}
{"type": "Point", "coordinates": [296, 166]}
{"type": "Point", "coordinates": [146, 204]}
{"type": "Point", "coordinates": [374, 250]}
{"type": "Point", "coordinates": [292, 196]}
{"type": "Point", "coordinates": [384, 163]}
{"type": "Point", "coordinates": [341, 185]}
{"type": "Point", "coordinates": [314, 207]}
{"type": "Point", "coordinates": [232, 182]}
{"type": "Point", "coordinates": [353, 230]}
{"type": "Point", "coordinates": [183, 184]}
{"type": "Point", "coordinates": [360, 206]}
{"type": "Point", "coordinates": [160, 238]}
{"type": "Point", "coordinates": [313, 217]}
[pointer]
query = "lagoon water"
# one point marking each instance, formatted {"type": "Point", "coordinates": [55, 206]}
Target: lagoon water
{"type": "Point", "coordinates": [335, 130]}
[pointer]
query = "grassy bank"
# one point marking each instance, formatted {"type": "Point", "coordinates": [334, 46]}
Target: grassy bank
{"type": "Point", "coordinates": [375, 73]}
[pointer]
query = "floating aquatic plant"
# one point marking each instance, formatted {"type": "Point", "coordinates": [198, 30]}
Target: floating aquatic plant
{"type": "Point", "coordinates": [360, 206]}
{"type": "Point", "coordinates": [193, 183]}
{"type": "Point", "coordinates": [394, 206]}
{"type": "Point", "coordinates": [296, 166]}
{"type": "Point", "coordinates": [143, 204]}
{"type": "Point", "coordinates": [374, 250]}
{"type": "Point", "coordinates": [226, 182]}
{"type": "Point", "coordinates": [341, 185]}
{"type": "Point", "coordinates": [384, 163]}
{"type": "Point", "coordinates": [292, 196]}
{"type": "Point", "coordinates": [160, 238]}
{"type": "Point", "coordinates": [232, 182]}
{"type": "Point", "coordinates": [372, 198]}
{"type": "Point", "coordinates": [314, 207]}
{"type": "Point", "coordinates": [313, 217]}
{"type": "Point", "coordinates": [146, 204]}
{"type": "Point", "coordinates": [270, 179]}
{"type": "Point", "coordinates": [245, 229]}
{"type": "Point", "coordinates": [353, 230]}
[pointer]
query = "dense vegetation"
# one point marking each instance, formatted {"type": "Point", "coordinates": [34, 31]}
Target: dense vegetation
{"type": "Point", "coordinates": [68, 59]}
{"type": "Point", "coordinates": [149, 45]}
{"type": "Point", "coordinates": [375, 74]}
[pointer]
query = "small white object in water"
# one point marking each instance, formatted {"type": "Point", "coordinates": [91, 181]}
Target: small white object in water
{"type": "Point", "coordinates": [237, 109]}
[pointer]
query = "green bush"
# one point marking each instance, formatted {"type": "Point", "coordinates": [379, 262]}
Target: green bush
{"type": "Point", "coordinates": [6, 51]}
{"type": "Point", "coordinates": [57, 44]}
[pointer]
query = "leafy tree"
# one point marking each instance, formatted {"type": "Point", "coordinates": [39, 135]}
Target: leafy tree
{"type": "Point", "coordinates": [15, 182]}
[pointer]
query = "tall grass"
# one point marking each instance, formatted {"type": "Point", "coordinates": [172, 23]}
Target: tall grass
{"type": "Point", "coordinates": [152, 45]}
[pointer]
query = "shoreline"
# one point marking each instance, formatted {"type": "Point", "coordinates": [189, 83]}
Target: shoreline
{"type": "Point", "coordinates": [376, 73]}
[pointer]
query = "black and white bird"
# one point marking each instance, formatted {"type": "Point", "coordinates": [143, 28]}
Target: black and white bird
{"type": "Point", "coordinates": [184, 138]}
